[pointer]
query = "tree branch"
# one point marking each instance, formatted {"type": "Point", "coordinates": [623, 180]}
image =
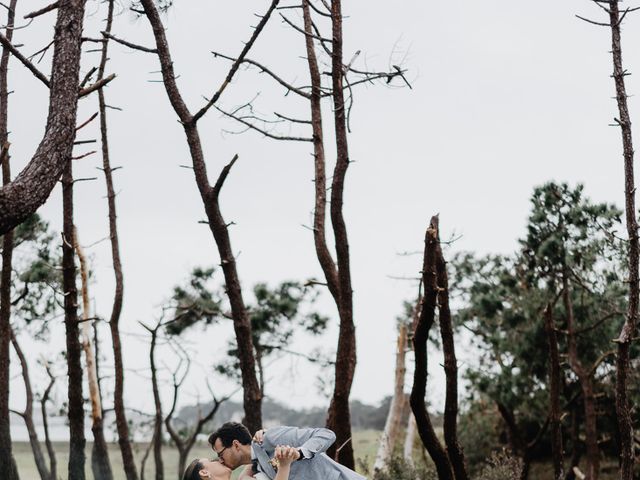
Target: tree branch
{"type": "Point", "coordinates": [236, 64]}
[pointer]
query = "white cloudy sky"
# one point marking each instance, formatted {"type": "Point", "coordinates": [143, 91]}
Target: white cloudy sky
{"type": "Point", "coordinates": [506, 95]}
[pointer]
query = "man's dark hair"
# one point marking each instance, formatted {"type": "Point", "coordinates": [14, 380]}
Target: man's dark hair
{"type": "Point", "coordinates": [229, 432]}
{"type": "Point", "coordinates": [192, 472]}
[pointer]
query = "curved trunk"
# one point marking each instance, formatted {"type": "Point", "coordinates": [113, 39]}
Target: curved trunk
{"type": "Point", "coordinates": [31, 188]}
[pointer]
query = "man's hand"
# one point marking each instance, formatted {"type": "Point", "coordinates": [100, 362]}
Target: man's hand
{"type": "Point", "coordinates": [259, 436]}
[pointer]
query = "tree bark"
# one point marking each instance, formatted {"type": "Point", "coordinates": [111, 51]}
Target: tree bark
{"type": "Point", "coordinates": [554, 394]}
{"type": "Point", "coordinates": [31, 188]}
{"type": "Point", "coordinates": [27, 415]}
{"type": "Point", "coordinates": [339, 416]}
{"type": "Point", "coordinates": [74, 348]}
{"type": "Point", "coordinates": [100, 464]}
{"type": "Point", "coordinates": [8, 467]}
{"type": "Point", "coordinates": [210, 198]}
{"type": "Point", "coordinates": [454, 450]}
{"type": "Point", "coordinates": [389, 437]}
{"type": "Point", "coordinates": [623, 407]}
{"type": "Point", "coordinates": [420, 338]}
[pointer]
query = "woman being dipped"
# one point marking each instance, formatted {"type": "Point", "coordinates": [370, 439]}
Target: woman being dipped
{"type": "Point", "coordinates": [202, 468]}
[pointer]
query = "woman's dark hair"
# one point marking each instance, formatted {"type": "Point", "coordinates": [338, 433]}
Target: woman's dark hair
{"type": "Point", "coordinates": [192, 472]}
{"type": "Point", "coordinates": [229, 432]}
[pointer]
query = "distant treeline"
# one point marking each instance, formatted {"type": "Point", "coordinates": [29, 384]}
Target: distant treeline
{"type": "Point", "coordinates": [363, 416]}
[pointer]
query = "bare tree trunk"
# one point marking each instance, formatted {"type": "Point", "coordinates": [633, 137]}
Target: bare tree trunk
{"type": "Point", "coordinates": [339, 417]}
{"type": "Point", "coordinates": [420, 338]}
{"type": "Point", "coordinates": [409, 438]}
{"type": "Point", "coordinates": [100, 464]}
{"type": "Point", "coordinates": [554, 394]}
{"type": "Point", "coordinates": [8, 467]}
{"type": "Point", "coordinates": [122, 424]}
{"type": "Point", "coordinates": [53, 462]}
{"type": "Point", "coordinates": [391, 431]}
{"type": "Point", "coordinates": [31, 188]}
{"type": "Point", "coordinates": [456, 455]}
{"type": "Point", "coordinates": [623, 407]}
{"type": "Point", "coordinates": [157, 426]}
{"type": "Point", "coordinates": [74, 348]}
{"type": "Point", "coordinates": [586, 384]}
{"type": "Point", "coordinates": [210, 198]}
{"type": "Point", "coordinates": [27, 415]}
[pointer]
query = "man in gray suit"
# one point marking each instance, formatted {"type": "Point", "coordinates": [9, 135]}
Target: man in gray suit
{"type": "Point", "coordinates": [233, 444]}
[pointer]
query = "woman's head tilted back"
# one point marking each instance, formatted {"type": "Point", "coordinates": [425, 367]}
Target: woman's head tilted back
{"type": "Point", "coordinates": [201, 468]}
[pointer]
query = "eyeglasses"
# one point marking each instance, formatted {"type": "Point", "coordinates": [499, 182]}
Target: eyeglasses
{"type": "Point", "coordinates": [219, 454]}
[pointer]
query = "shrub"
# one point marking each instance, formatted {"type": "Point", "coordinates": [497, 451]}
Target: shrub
{"type": "Point", "coordinates": [397, 468]}
{"type": "Point", "coordinates": [501, 466]}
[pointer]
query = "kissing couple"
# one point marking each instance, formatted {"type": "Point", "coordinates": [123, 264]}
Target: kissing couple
{"type": "Point", "coordinates": [279, 453]}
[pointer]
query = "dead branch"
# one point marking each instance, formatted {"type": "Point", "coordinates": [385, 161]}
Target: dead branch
{"type": "Point", "coordinates": [16, 53]}
{"type": "Point", "coordinates": [262, 130]}
{"type": "Point", "coordinates": [96, 86]}
{"type": "Point", "coordinates": [129, 44]}
{"type": "Point", "coordinates": [236, 64]}
{"type": "Point", "coordinates": [264, 69]}
{"type": "Point", "coordinates": [42, 51]}
{"type": "Point", "coordinates": [223, 176]}
{"type": "Point", "coordinates": [42, 11]}
{"type": "Point", "coordinates": [84, 124]}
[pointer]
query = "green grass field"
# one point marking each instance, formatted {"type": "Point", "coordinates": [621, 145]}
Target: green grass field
{"type": "Point", "coordinates": [365, 444]}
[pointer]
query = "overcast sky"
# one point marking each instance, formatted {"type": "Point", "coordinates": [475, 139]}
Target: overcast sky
{"type": "Point", "coordinates": [506, 95]}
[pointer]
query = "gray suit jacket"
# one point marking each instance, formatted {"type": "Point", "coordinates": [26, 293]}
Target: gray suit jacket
{"type": "Point", "coordinates": [314, 442]}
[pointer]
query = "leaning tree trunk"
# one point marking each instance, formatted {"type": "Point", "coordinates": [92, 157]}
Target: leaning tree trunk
{"type": "Point", "coordinates": [100, 464]}
{"type": "Point", "coordinates": [420, 338]}
{"type": "Point", "coordinates": [628, 332]}
{"type": "Point", "coordinates": [27, 415]}
{"type": "Point", "coordinates": [554, 394]}
{"type": "Point", "coordinates": [74, 348]}
{"type": "Point", "coordinates": [210, 198]}
{"type": "Point", "coordinates": [392, 425]}
{"type": "Point", "coordinates": [8, 467]}
{"type": "Point", "coordinates": [456, 455]}
{"type": "Point", "coordinates": [339, 417]}
{"type": "Point", "coordinates": [31, 188]}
